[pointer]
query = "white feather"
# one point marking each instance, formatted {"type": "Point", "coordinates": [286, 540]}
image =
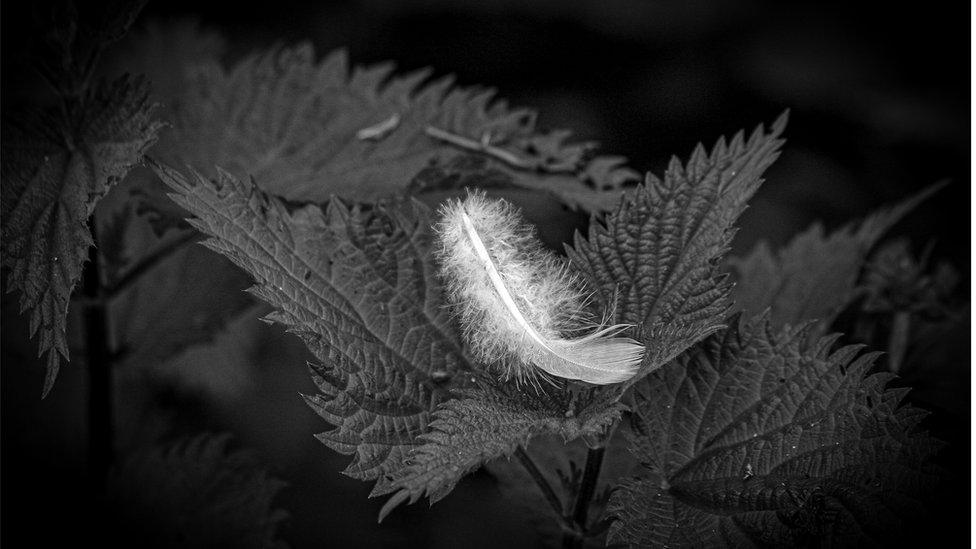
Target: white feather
{"type": "Point", "coordinates": [515, 300]}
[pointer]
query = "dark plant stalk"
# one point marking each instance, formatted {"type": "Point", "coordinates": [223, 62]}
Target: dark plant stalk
{"type": "Point", "coordinates": [587, 488]}
{"type": "Point", "coordinates": [591, 472]}
{"type": "Point", "coordinates": [99, 363]}
{"type": "Point", "coordinates": [544, 486]}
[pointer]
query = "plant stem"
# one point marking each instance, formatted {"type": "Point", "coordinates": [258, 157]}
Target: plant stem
{"type": "Point", "coordinates": [587, 488]}
{"type": "Point", "coordinates": [484, 146]}
{"type": "Point", "coordinates": [547, 491]}
{"type": "Point", "coordinates": [99, 363]}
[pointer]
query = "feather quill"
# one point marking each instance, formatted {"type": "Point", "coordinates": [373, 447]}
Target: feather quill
{"type": "Point", "coordinates": [516, 301]}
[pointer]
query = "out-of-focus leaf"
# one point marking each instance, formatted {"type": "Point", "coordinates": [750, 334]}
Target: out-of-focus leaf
{"type": "Point", "coordinates": [896, 280]}
{"type": "Point", "coordinates": [56, 167]}
{"type": "Point", "coordinates": [193, 493]}
{"type": "Point", "coordinates": [308, 129]}
{"type": "Point", "coordinates": [165, 52]}
{"type": "Point", "coordinates": [816, 274]}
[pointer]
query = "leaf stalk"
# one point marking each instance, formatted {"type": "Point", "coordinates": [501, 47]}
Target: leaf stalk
{"type": "Point", "coordinates": [545, 487]}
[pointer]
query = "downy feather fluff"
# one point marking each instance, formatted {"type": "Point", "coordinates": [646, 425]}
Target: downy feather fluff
{"type": "Point", "coordinates": [516, 301]}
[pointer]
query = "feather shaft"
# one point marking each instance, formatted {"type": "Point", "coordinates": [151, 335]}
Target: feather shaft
{"type": "Point", "coordinates": [514, 300]}
{"type": "Point", "coordinates": [496, 279]}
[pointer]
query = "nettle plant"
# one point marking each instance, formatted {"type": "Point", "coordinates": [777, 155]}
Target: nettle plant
{"type": "Point", "coordinates": [742, 420]}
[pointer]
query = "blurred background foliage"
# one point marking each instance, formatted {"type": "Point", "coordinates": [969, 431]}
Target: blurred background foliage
{"type": "Point", "coordinates": [879, 94]}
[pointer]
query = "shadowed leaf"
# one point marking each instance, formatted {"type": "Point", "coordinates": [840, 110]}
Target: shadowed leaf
{"type": "Point", "coordinates": [56, 167]}
{"type": "Point", "coordinates": [768, 438]}
{"type": "Point", "coordinates": [193, 493]}
{"type": "Point", "coordinates": [815, 275]}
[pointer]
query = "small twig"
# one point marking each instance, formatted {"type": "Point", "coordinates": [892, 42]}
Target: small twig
{"type": "Point", "coordinates": [484, 146]}
{"type": "Point", "coordinates": [147, 263]}
{"type": "Point", "coordinates": [547, 491]}
{"type": "Point", "coordinates": [380, 130]}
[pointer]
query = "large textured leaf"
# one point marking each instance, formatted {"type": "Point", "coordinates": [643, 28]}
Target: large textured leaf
{"type": "Point", "coordinates": [56, 166]}
{"type": "Point", "coordinates": [307, 130]}
{"type": "Point", "coordinates": [357, 284]}
{"type": "Point", "coordinates": [194, 493]}
{"type": "Point", "coordinates": [767, 438]}
{"type": "Point", "coordinates": [815, 275]}
{"type": "Point", "coordinates": [489, 421]}
{"type": "Point", "coordinates": [654, 261]}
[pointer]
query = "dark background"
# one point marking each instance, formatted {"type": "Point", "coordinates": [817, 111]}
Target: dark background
{"type": "Point", "coordinates": [879, 100]}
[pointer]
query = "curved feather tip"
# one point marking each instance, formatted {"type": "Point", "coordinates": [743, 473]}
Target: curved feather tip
{"type": "Point", "coordinates": [516, 301]}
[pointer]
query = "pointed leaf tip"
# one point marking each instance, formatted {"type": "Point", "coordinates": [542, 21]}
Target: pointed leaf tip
{"type": "Point", "coordinates": [681, 225]}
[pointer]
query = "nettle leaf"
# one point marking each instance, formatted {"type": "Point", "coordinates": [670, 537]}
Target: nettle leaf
{"type": "Point", "coordinates": [193, 493]}
{"type": "Point", "coordinates": [653, 262]}
{"type": "Point", "coordinates": [56, 166]}
{"type": "Point", "coordinates": [307, 130]}
{"type": "Point", "coordinates": [766, 437]}
{"type": "Point", "coordinates": [814, 276]}
{"type": "Point", "coordinates": [490, 421]}
{"type": "Point", "coordinates": [358, 285]}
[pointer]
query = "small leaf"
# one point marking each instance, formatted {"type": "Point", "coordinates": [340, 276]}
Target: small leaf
{"type": "Point", "coordinates": [56, 167]}
{"type": "Point", "coordinates": [895, 280]}
{"type": "Point", "coordinates": [815, 276]}
{"type": "Point", "coordinates": [653, 262]}
{"type": "Point", "coordinates": [487, 422]}
{"type": "Point", "coordinates": [295, 124]}
{"type": "Point", "coordinates": [193, 493]}
{"type": "Point", "coordinates": [764, 437]}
